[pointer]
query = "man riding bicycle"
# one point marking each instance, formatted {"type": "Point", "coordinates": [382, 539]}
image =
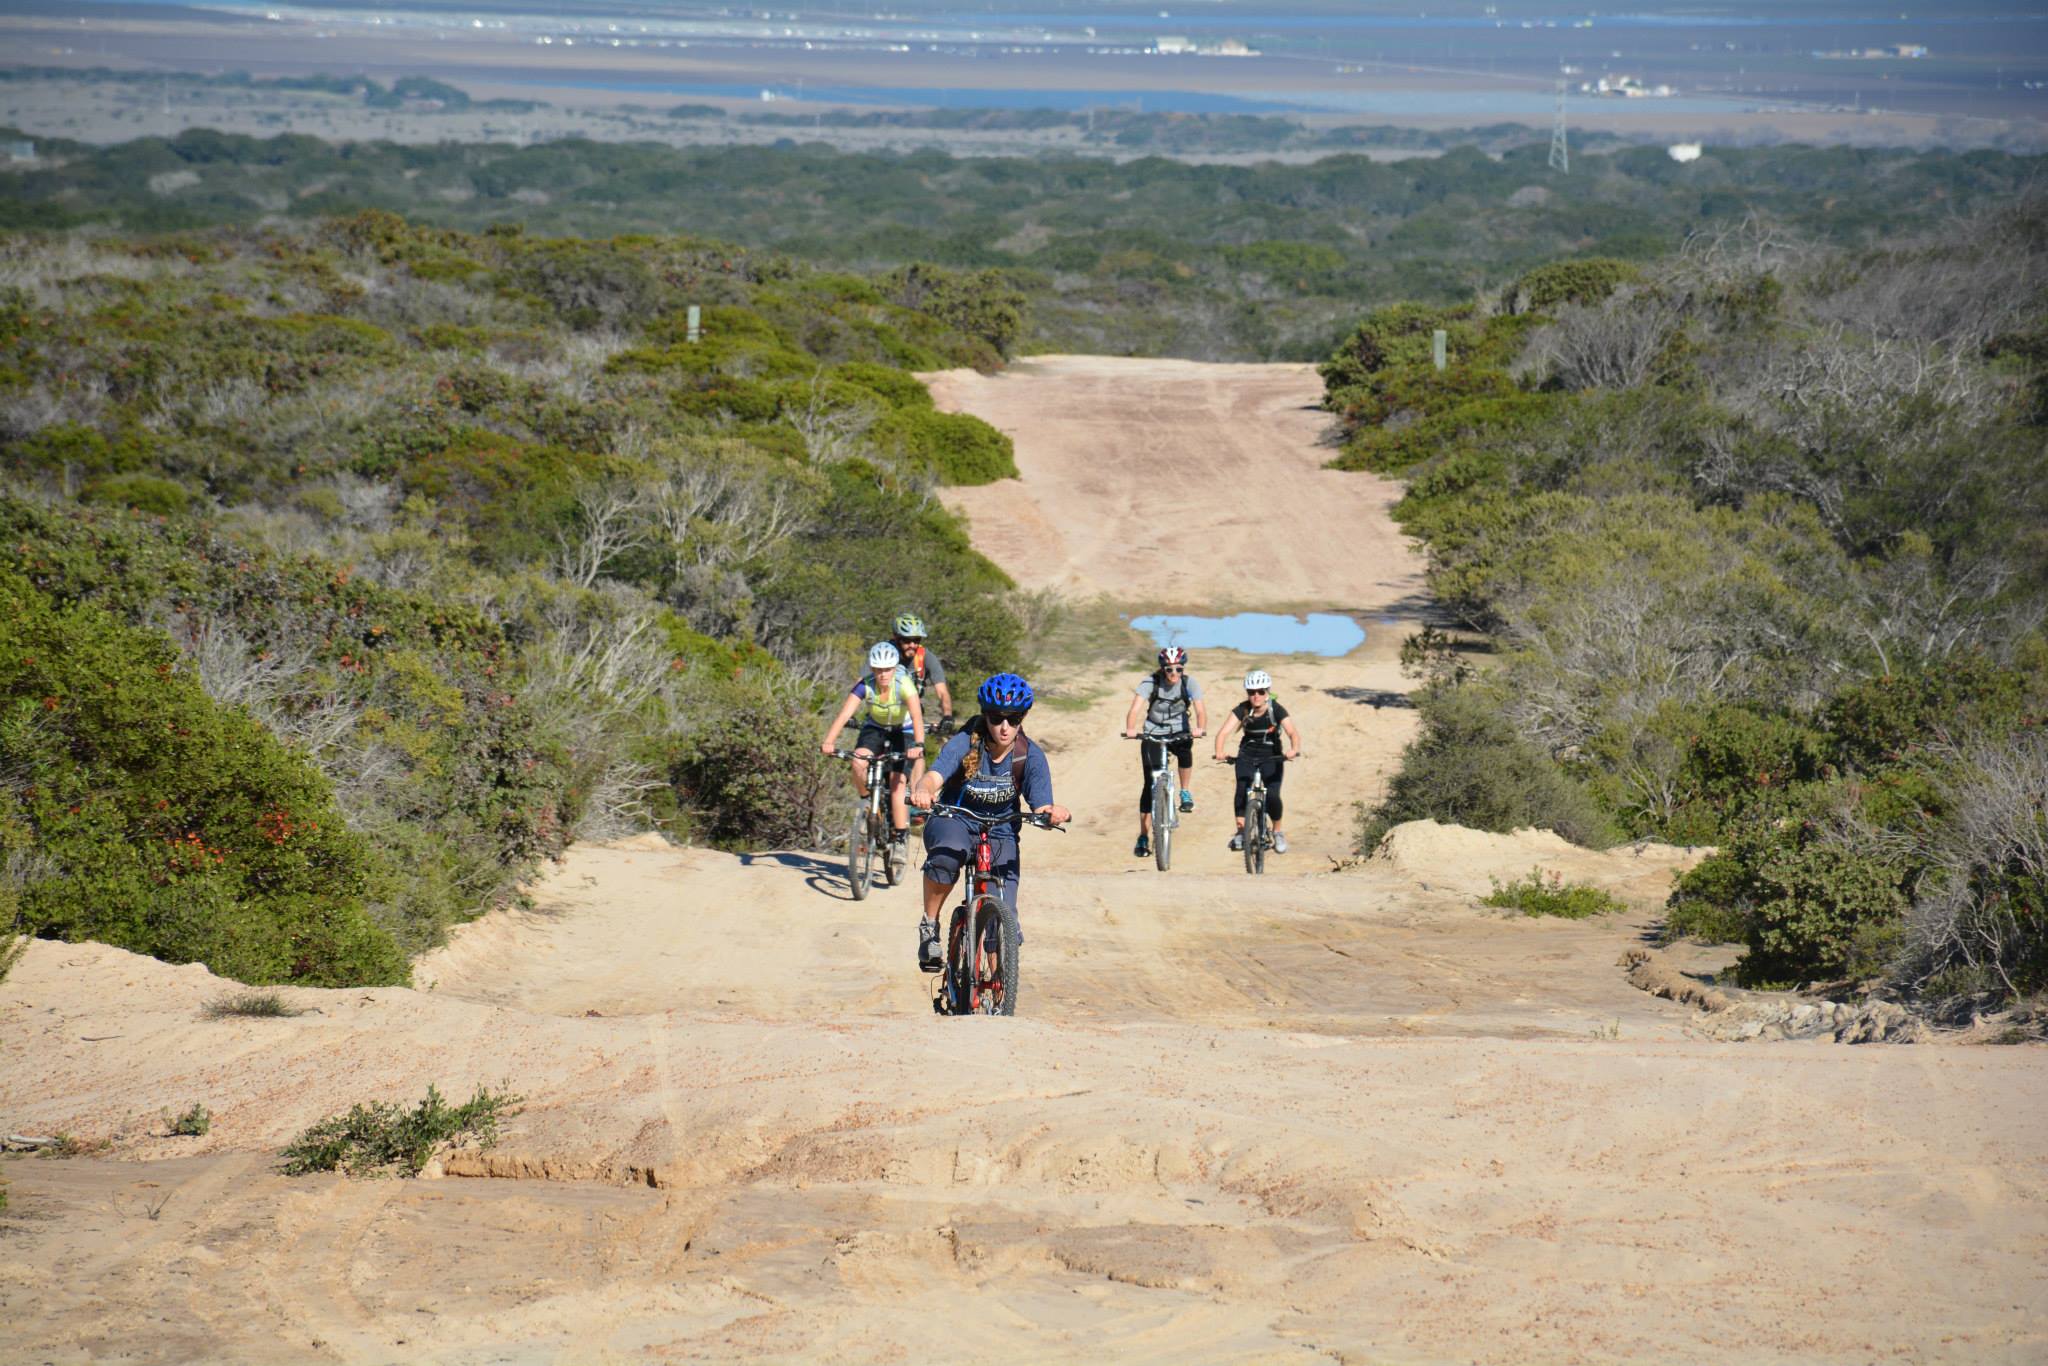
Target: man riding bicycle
{"type": "Point", "coordinates": [1175, 716]}
{"type": "Point", "coordinates": [907, 635]}
{"type": "Point", "coordinates": [891, 722]}
{"type": "Point", "coordinates": [1270, 740]}
{"type": "Point", "coordinates": [992, 770]}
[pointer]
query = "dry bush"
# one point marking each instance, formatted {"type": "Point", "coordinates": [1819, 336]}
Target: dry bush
{"type": "Point", "coordinates": [1614, 345]}
{"type": "Point", "coordinates": [831, 432]}
{"type": "Point", "coordinates": [612, 519]}
{"type": "Point", "coordinates": [1972, 281]}
{"type": "Point", "coordinates": [82, 402]}
{"type": "Point", "coordinates": [1982, 914]}
{"type": "Point", "coordinates": [616, 803]}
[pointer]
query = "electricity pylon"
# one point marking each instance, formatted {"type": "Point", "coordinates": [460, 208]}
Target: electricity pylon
{"type": "Point", "coordinates": [1560, 152]}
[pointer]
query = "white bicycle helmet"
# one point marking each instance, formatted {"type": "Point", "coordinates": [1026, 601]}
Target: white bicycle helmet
{"type": "Point", "coordinates": [882, 657]}
{"type": "Point", "coordinates": [1258, 678]}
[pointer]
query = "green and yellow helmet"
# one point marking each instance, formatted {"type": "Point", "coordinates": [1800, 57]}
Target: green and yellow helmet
{"type": "Point", "coordinates": [910, 626]}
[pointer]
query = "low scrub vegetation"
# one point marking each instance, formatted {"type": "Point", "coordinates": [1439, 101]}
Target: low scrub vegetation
{"type": "Point", "coordinates": [1543, 893]}
{"type": "Point", "coordinates": [386, 1137]}
{"type": "Point", "coordinates": [250, 1005]}
{"type": "Point", "coordinates": [193, 1123]}
{"type": "Point", "coordinates": [1757, 536]}
{"type": "Point", "coordinates": [1148, 257]}
{"type": "Point", "coordinates": [362, 566]}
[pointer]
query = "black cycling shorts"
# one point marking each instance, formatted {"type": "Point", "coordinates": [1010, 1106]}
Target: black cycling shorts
{"type": "Point", "coordinates": [1273, 767]}
{"type": "Point", "coordinates": [877, 739]}
{"type": "Point", "coordinates": [1182, 749]}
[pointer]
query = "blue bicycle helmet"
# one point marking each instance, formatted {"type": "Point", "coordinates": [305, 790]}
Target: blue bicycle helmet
{"type": "Point", "coordinates": [1004, 692]}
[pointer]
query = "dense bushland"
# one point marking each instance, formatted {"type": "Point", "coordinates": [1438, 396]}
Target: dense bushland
{"type": "Point", "coordinates": [1153, 257]}
{"type": "Point", "coordinates": [1759, 535]}
{"type": "Point", "coordinates": [361, 566]}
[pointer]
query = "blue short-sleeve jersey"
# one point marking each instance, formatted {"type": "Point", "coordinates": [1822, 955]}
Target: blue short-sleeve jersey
{"type": "Point", "coordinates": [992, 791]}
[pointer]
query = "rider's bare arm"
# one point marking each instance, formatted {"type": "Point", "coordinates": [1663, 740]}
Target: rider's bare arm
{"type": "Point", "coordinates": [916, 720]}
{"type": "Point", "coordinates": [1293, 735]}
{"type": "Point", "coordinates": [1131, 717]}
{"type": "Point", "coordinates": [1201, 717]}
{"type": "Point", "coordinates": [1229, 725]}
{"type": "Point", "coordinates": [846, 710]}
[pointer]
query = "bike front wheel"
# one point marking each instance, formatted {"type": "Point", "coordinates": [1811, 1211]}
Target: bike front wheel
{"type": "Point", "coordinates": [982, 952]}
{"type": "Point", "coordinates": [860, 853]}
{"type": "Point", "coordinates": [1255, 836]}
{"type": "Point", "coordinates": [1164, 819]}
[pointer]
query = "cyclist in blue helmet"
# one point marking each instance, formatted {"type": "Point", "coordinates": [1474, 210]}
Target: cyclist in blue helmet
{"type": "Point", "coordinates": [990, 768]}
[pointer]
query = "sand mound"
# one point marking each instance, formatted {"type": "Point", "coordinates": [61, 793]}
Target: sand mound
{"type": "Point", "coordinates": [1450, 858]}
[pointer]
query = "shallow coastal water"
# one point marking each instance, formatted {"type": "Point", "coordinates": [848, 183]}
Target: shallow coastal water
{"type": "Point", "coordinates": [1258, 633]}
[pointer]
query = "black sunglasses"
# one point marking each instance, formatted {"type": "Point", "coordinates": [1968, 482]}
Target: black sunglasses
{"type": "Point", "coordinates": [1258, 692]}
{"type": "Point", "coordinates": [1011, 718]}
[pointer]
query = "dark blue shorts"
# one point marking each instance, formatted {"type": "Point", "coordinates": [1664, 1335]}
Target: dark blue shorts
{"type": "Point", "coordinates": [949, 847]}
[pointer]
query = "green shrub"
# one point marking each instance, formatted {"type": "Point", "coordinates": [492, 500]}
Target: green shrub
{"type": "Point", "coordinates": [1541, 894]}
{"type": "Point", "coordinates": [1470, 768]}
{"type": "Point", "coordinates": [1706, 921]}
{"type": "Point", "coordinates": [751, 775]}
{"type": "Point", "coordinates": [194, 1123]}
{"type": "Point", "coordinates": [168, 825]}
{"type": "Point", "coordinates": [958, 447]}
{"type": "Point", "coordinates": [1587, 281]}
{"type": "Point", "coordinates": [142, 492]}
{"type": "Point", "coordinates": [385, 1135]}
{"type": "Point", "coordinates": [1811, 905]}
{"type": "Point", "coordinates": [895, 387]}
{"type": "Point", "coordinates": [250, 1005]}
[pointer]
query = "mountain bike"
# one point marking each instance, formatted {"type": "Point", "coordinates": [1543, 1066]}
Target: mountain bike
{"type": "Point", "coordinates": [870, 826]}
{"type": "Point", "coordinates": [1165, 797]}
{"type": "Point", "coordinates": [983, 938]}
{"type": "Point", "coordinates": [1258, 826]}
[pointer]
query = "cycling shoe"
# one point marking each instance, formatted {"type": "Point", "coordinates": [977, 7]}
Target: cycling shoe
{"type": "Point", "coordinates": [928, 956]}
{"type": "Point", "coordinates": [1187, 800]}
{"type": "Point", "coordinates": [1143, 848]}
{"type": "Point", "coordinates": [1237, 842]}
{"type": "Point", "coordinates": [1279, 843]}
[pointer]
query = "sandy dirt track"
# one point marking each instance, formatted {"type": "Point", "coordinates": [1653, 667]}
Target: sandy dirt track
{"type": "Point", "coordinates": [1339, 1116]}
{"type": "Point", "coordinates": [1169, 482]}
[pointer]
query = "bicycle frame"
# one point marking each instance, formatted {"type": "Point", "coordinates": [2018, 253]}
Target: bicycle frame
{"type": "Point", "coordinates": [979, 979]}
{"type": "Point", "coordinates": [1165, 796]}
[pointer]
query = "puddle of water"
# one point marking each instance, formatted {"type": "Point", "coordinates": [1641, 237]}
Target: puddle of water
{"type": "Point", "coordinates": [1258, 633]}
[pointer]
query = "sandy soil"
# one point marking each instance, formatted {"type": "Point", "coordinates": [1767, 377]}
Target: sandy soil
{"type": "Point", "coordinates": [1340, 1115]}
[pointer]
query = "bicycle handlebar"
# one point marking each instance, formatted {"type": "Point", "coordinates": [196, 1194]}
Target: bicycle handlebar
{"type": "Point", "coordinates": [975, 818]}
{"type": "Point", "coordinates": [1164, 739]}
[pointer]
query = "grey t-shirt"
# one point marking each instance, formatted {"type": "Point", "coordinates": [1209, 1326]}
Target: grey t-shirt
{"type": "Point", "coordinates": [934, 672]}
{"type": "Point", "coordinates": [1168, 711]}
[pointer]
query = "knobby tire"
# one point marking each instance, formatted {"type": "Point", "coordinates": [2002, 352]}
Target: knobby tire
{"type": "Point", "coordinates": [860, 852]}
{"type": "Point", "coordinates": [995, 982]}
{"type": "Point", "coordinates": [1163, 822]}
{"type": "Point", "coordinates": [1255, 835]}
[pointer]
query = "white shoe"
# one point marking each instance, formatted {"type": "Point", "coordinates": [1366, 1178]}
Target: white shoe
{"type": "Point", "coordinates": [1279, 843]}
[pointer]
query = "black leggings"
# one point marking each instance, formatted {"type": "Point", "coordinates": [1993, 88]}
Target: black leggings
{"type": "Point", "coordinates": [1148, 759]}
{"type": "Point", "coordinates": [1275, 768]}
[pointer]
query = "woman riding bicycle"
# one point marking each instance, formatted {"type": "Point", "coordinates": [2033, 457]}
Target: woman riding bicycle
{"type": "Point", "coordinates": [1270, 740]}
{"type": "Point", "coordinates": [992, 770]}
{"type": "Point", "coordinates": [891, 721]}
{"type": "Point", "coordinates": [1175, 717]}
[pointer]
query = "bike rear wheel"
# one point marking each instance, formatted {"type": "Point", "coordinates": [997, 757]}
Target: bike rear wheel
{"type": "Point", "coordinates": [1164, 819]}
{"type": "Point", "coordinates": [860, 852]}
